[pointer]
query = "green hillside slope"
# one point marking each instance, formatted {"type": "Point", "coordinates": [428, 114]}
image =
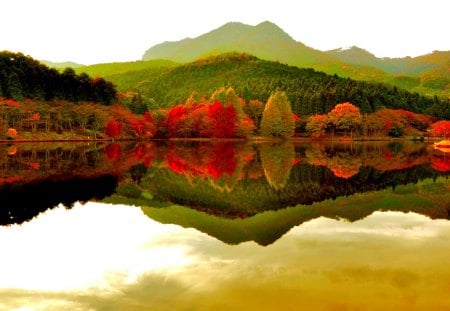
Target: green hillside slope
{"type": "Point", "coordinates": [309, 91]}
{"type": "Point", "coordinates": [110, 69]}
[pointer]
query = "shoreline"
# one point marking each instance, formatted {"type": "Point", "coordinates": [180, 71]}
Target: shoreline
{"type": "Point", "coordinates": [254, 139]}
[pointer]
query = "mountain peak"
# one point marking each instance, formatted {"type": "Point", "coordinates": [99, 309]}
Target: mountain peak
{"type": "Point", "coordinates": [232, 36]}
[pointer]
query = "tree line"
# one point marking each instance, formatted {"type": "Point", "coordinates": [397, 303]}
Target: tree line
{"type": "Point", "coordinates": [23, 77]}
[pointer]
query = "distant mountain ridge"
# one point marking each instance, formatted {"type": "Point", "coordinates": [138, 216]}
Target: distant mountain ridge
{"type": "Point", "coordinates": [411, 66]}
{"type": "Point", "coordinates": [59, 65]}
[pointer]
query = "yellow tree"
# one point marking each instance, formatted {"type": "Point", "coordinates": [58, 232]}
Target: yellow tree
{"type": "Point", "coordinates": [277, 119]}
{"type": "Point", "coordinates": [277, 163]}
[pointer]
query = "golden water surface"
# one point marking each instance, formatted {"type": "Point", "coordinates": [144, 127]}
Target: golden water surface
{"type": "Point", "coordinates": [104, 257]}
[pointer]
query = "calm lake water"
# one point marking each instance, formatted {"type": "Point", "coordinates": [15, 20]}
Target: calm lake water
{"type": "Point", "coordinates": [224, 226]}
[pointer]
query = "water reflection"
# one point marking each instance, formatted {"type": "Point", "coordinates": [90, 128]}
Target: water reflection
{"type": "Point", "coordinates": [222, 178]}
{"type": "Point", "coordinates": [122, 260]}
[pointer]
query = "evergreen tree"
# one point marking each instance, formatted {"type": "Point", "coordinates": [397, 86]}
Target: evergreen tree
{"type": "Point", "coordinates": [14, 86]}
{"type": "Point", "coordinates": [277, 119]}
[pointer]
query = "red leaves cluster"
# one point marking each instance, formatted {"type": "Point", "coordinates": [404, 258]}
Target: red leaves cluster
{"type": "Point", "coordinates": [207, 120]}
{"type": "Point", "coordinates": [11, 102]}
{"type": "Point", "coordinates": [203, 161]}
{"type": "Point", "coordinates": [222, 120]}
{"type": "Point", "coordinates": [441, 164]}
{"type": "Point", "coordinates": [125, 121]}
{"type": "Point", "coordinates": [113, 152]}
{"type": "Point", "coordinates": [113, 128]}
{"type": "Point", "coordinates": [441, 128]}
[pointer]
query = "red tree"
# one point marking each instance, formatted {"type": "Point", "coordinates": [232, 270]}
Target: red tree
{"type": "Point", "coordinates": [441, 128]}
{"type": "Point", "coordinates": [175, 120]}
{"type": "Point", "coordinates": [113, 128]}
{"type": "Point", "coordinates": [223, 120]}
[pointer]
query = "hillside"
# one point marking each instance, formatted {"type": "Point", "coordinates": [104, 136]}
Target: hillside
{"type": "Point", "coordinates": [309, 91]}
{"type": "Point", "coordinates": [110, 69]}
{"type": "Point", "coordinates": [269, 42]}
{"type": "Point", "coordinates": [127, 75]}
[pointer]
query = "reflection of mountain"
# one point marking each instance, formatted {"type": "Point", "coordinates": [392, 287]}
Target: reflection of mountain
{"type": "Point", "coordinates": [430, 198]}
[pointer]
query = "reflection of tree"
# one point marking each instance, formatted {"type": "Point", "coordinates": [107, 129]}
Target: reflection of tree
{"type": "Point", "coordinates": [344, 165]}
{"type": "Point", "coordinates": [316, 155]}
{"type": "Point", "coordinates": [441, 164]}
{"type": "Point", "coordinates": [277, 163]}
{"type": "Point", "coordinates": [221, 163]}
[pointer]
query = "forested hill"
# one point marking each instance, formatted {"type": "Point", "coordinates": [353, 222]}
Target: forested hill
{"type": "Point", "coordinates": [21, 76]}
{"type": "Point", "coordinates": [309, 91]}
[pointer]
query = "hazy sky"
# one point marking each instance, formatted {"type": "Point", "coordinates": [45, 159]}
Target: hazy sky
{"type": "Point", "coordinates": [93, 31]}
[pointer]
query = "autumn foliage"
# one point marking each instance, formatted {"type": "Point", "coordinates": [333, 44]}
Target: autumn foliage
{"type": "Point", "coordinates": [207, 120]}
{"type": "Point", "coordinates": [441, 128]}
{"type": "Point", "coordinates": [113, 128]}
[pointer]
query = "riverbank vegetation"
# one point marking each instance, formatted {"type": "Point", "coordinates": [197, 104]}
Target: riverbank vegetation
{"type": "Point", "coordinates": [39, 103]}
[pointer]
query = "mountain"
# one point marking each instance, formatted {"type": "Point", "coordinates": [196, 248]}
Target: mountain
{"type": "Point", "coordinates": [269, 42]}
{"type": "Point", "coordinates": [265, 40]}
{"type": "Point", "coordinates": [309, 91]}
{"type": "Point", "coordinates": [127, 75]}
{"type": "Point", "coordinates": [60, 65]}
{"type": "Point", "coordinates": [399, 66]}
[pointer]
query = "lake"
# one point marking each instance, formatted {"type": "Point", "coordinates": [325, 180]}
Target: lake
{"type": "Point", "coordinates": [224, 225]}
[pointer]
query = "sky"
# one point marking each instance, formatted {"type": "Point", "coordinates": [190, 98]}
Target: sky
{"type": "Point", "coordinates": [98, 31]}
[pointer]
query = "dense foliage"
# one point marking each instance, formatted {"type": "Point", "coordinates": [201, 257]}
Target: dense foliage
{"type": "Point", "coordinates": [205, 119]}
{"type": "Point", "coordinates": [308, 91]}
{"type": "Point", "coordinates": [23, 77]}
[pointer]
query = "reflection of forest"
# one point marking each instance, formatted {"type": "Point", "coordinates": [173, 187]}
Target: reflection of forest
{"type": "Point", "coordinates": [428, 197]}
{"type": "Point", "coordinates": [225, 178]}
{"type": "Point", "coordinates": [240, 180]}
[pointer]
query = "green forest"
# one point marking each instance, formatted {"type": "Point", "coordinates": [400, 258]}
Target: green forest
{"type": "Point", "coordinates": [23, 77]}
{"type": "Point", "coordinates": [309, 91]}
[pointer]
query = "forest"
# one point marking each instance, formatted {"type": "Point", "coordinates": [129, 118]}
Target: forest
{"type": "Point", "coordinates": [23, 77]}
{"type": "Point", "coordinates": [269, 99]}
{"type": "Point", "coordinates": [309, 91]}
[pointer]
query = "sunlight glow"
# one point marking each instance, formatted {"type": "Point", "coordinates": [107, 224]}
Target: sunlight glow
{"type": "Point", "coordinates": [70, 258]}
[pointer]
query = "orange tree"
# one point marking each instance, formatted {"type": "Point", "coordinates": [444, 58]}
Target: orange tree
{"type": "Point", "coordinates": [346, 117]}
